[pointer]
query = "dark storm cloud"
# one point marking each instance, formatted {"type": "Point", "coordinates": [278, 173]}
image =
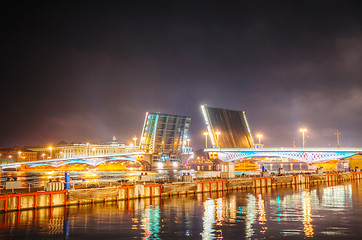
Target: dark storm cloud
{"type": "Point", "coordinates": [86, 71]}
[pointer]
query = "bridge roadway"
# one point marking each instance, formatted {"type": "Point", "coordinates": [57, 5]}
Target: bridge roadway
{"type": "Point", "coordinates": [308, 155]}
{"type": "Point", "coordinates": [92, 160]}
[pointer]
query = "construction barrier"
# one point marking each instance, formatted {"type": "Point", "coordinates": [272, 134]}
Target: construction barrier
{"type": "Point", "coordinates": [210, 186]}
{"type": "Point", "coordinates": [34, 200]}
{"type": "Point", "coordinates": [263, 182]}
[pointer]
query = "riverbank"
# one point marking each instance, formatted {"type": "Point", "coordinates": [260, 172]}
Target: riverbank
{"type": "Point", "coordinates": [144, 189]}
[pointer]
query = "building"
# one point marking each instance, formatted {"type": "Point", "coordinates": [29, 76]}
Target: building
{"type": "Point", "coordinates": [82, 150]}
{"type": "Point", "coordinates": [165, 139]}
{"type": "Point", "coordinates": [17, 155]}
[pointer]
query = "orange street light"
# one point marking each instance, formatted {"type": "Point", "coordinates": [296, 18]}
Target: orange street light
{"type": "Point", "coordinates": [50, 150]}
{"type": "Point", "coordinates": [206, 134]}
{"type": "Point", "coordinates": [303, 130]}
{"type": "Point", "coordinates": [259, 136]}
{"type": "Point", "coordinates": [217, 138]}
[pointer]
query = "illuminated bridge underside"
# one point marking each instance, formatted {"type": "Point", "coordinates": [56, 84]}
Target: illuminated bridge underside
{"type": "Point", "coordinates": [93, 160]}
{"type": "Point", "coordinates": [308, 156]}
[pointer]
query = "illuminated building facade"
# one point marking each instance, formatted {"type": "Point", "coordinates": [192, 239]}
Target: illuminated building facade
{"type": "Point", "coordinates": [17, 155]}
{"type": "Point", "coordinates": [165, 138]}
{"type": "Point", "coordinates": [227, 128]}
{"type": "Point", "coordinates": [82, 150]}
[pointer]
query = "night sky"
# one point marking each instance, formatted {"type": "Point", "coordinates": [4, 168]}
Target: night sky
{"type": "Point", "coordinates": [84, 71]}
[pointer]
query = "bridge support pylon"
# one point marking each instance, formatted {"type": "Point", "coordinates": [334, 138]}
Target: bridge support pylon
{"type": "Point", "coordinates": [227, 170]}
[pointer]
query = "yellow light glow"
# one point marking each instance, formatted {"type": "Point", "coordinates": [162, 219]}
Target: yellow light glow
{"type": "Point", "coordinates": [206, 133]}
{"type": "Point", "coordinates": [302, 130]}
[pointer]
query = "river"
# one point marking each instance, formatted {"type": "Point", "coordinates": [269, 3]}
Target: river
{"type": "Point", "coordinates": [331, 211]}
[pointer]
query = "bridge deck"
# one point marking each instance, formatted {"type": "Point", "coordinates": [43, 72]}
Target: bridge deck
{"type": "Point", "coordinates": [316, 149]}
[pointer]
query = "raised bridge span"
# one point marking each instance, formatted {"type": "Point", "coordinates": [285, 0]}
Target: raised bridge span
{"type": "Point", "coordinates": [308, 155]}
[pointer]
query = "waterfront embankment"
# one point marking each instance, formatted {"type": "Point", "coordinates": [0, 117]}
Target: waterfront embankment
{"type": "Point", "coordinates": [144, 189]}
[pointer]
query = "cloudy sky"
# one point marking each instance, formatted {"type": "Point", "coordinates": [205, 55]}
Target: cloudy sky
{"type": "Point", "coordinates": [80, 71]}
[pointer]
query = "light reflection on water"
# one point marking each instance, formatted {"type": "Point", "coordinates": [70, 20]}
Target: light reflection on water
{"type": "Point", "coordinates": [321, 212]}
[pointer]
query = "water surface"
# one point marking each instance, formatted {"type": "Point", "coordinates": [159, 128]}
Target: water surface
{"type": "Point", "coordinates": [321, 212]}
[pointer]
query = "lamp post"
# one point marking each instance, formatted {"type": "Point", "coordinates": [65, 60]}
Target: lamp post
{"type": "Point", "coordinates": [135, 141]}
{"type": "Point", "coordinates": [303, 130]}
{"type": "Point", "coordinates": [50, 150]}
{"type": "Point", "coordinates": [217, 138]}
{"type": "Point", "coordinates": [338, 133]}
{"type": "Point", "coordinates": [206, 134]}
{"type": "Point", "coordinates": [259, 136]}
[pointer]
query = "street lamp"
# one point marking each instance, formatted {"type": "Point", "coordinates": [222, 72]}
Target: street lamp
{"type": "Point", "coordinates": [217, 138]}
{"type": "Point", "coordinates": [338, 133]}
{"type": "Point", "coordinates": [50, 150]}
{"type": "Point", "coordinates": [206, 134]}
{"type": "Point", "coordinates": [259, 136]}
{"type": "Point", "coordinates": [303, 130]}
{"type": "Point", "coordinates": [87, 148]}
{"type": "Point", "coordinates": [94, 150]}
{"type": "Point", "coordinates": [135, 141]}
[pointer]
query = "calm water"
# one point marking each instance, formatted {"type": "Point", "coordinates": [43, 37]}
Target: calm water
{"type": "Point", "coordinates": [322, 212]}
